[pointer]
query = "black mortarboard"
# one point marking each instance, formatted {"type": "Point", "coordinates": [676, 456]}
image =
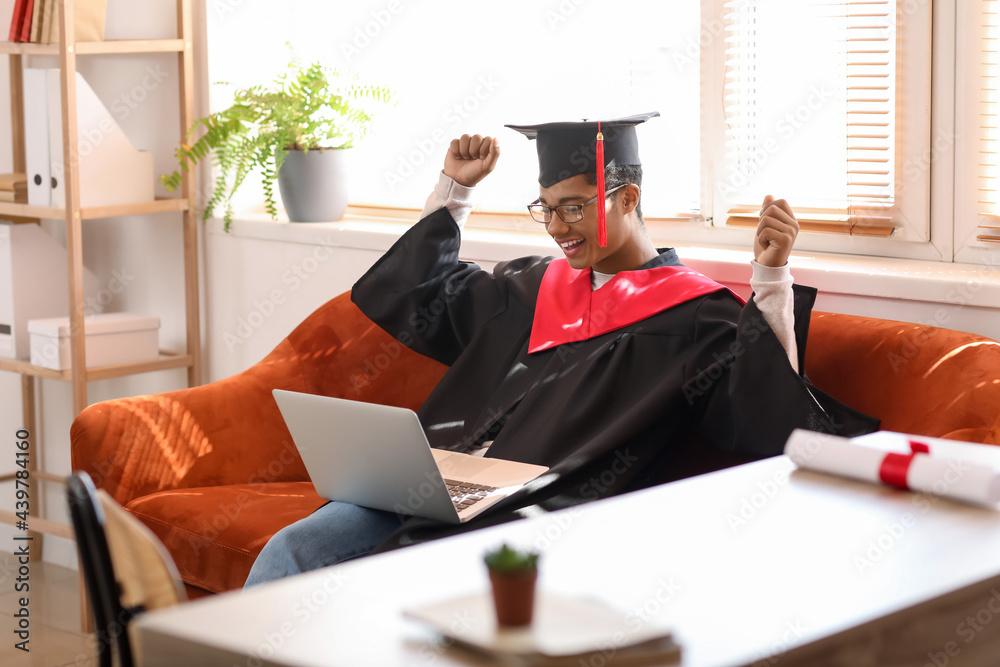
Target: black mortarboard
{"type": "Point", "coordinates": [566, 149]}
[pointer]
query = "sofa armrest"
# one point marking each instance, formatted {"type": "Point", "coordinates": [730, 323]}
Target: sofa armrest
{"type": "Point", "coordinates": [231, 431]}
{"type": "Point", "coordinates": [226, 432]}
{"type": "Point", "coordinates": [915, 378]}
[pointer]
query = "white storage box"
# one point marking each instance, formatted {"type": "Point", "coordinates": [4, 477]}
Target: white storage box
{"type": "Point", "coordinates": [111, 339]}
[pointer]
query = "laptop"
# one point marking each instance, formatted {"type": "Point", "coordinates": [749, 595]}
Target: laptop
{"type": "Point", "coordinates": [377, 456]}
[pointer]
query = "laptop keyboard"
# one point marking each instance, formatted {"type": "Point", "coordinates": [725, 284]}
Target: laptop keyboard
{"type": "Point", "coordinates": [466, 494]}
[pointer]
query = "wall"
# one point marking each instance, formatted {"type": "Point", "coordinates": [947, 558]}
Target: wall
{"type": "Point", "coordinates": [143, 252]}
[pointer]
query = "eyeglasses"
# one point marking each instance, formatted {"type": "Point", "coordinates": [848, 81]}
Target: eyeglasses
{"type": "Point", "coordinates": [568, 213]}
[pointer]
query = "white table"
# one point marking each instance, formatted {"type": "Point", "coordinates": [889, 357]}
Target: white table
{"type": "Point", "coordinates": [745, 564]}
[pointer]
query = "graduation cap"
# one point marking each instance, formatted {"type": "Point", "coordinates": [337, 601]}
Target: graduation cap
{"type": "Point", "coordinates": [566, 149]}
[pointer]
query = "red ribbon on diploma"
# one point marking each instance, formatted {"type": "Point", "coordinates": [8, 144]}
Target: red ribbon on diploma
{"type": "Point", "coordinates": [895, 467]}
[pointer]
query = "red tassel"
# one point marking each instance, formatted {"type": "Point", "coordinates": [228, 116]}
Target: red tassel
{"type": "Point", "coordinates": [602, 222]}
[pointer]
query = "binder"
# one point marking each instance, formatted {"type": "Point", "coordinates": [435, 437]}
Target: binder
{"type": "Point", "coordinates": [36, 136]}
{"type": "Point", "coordinates": [111, 170]}
{"type": "Point", "coordinates": [57, 153]}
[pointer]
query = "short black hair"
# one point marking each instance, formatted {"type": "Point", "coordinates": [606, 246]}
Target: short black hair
{"type": "Point", "coordinates": [615, 175]}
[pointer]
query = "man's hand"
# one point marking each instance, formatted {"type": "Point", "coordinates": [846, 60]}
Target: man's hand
{"type": "Point", "coordinates": [776, 232]}
{"type": "Point", "coordinates": [471, 159]}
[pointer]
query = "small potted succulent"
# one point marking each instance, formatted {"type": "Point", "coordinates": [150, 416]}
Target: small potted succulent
{"type": "Point", "coordinates": [295, 132]}
{"type": "Point", "coordinates": [513, 574]}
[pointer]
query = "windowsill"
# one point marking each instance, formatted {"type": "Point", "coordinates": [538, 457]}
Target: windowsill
{"type": "Point", "coordinates": [883, 277]}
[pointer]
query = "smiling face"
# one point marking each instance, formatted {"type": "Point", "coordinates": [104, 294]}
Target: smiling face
{"type": "Point", "coordinates": [628, 246]}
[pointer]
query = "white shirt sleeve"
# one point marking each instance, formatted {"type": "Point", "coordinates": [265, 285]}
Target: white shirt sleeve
{"type": "Point", "coordinates": [772, 288]}
{"type": "Point", "coordinates": [456, 198]}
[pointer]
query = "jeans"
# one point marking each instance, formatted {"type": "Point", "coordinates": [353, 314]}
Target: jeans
{"type": "Point", "coordinates": [334, 533]}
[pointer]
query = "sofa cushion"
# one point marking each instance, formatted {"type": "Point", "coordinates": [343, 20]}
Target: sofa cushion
{"type": "Point", "coordinates": [215, 533]}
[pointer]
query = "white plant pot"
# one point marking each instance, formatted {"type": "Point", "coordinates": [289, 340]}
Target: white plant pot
{"type": "Point", "coordinates": [313, 185]}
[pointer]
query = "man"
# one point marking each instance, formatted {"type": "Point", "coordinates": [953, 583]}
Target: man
{"type": "Point", "coordinates": [615, 366]}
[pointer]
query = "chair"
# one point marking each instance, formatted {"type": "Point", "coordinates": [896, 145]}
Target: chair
{"type": "Point", "coordinates": [125, 567]}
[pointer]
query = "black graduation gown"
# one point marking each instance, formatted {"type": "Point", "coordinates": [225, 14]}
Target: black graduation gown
{"type": "Point", "coordinates": [641, 405]}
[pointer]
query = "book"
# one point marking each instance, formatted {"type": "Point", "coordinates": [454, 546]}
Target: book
{"type": "Point", "coordinates": [13, 182]}
{"type": "Point", "coordinates": [52, 35]}
{"type": "Point", "coordinates": [21, 197]}
{"type": "Point", "coordinates": [25, 34]}
{"type": "Point", "coordinates": [567, 631]}
{"type": "Point", "coordinates": [48, 15]}
{"type": "Point", "coordinates": [36, 22]}
{"type": "Point", "coordinates": [16, 19]}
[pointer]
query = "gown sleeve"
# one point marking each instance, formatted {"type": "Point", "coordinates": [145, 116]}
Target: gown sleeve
{"type": "Point", "coordinates": [421, 294]}
{"type": "Point", "coordinates": [749, 396]}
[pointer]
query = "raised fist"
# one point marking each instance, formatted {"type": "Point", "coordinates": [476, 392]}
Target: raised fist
{"type": "Point", "coordinates": [470, 159]}
{"type": "Point", "coordinates": [776, 232]}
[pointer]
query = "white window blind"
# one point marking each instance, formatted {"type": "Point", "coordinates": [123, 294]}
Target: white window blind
{"type": "Point", "coordinates": [818, 108]}
{"type": "Point", "coordinates": [988, 164]}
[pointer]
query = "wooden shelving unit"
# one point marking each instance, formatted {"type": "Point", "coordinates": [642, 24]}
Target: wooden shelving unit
{"type": "Point", "coordinates": [68, 50]}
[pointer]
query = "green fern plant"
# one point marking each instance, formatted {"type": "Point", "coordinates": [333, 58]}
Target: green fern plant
{"type": "Point", "coordinates": [306, 108]}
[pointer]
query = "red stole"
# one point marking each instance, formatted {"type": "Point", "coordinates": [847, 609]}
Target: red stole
{"type": "Point", "coordinates": [568, 310]}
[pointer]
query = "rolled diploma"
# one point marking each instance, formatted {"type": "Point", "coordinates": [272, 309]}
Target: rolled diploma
{"type": "Point", "coordinates": [953, 478]}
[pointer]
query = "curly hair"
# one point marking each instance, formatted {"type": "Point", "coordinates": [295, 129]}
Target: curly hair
{"type": "Point", "coordinates": [615, 175]}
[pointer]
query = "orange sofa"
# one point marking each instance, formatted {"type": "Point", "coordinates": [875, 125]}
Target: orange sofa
{"type": "Point", "coordinates": [214, 473]}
